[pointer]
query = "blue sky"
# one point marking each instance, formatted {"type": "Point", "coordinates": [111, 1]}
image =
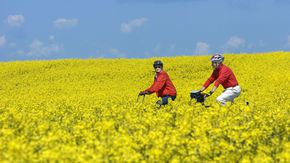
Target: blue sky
{"type": "Point", "coordinates": [55, 29]}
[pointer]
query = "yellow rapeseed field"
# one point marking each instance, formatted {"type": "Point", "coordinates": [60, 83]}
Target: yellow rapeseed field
{"type": "Point", "coordinates": [86, 110]}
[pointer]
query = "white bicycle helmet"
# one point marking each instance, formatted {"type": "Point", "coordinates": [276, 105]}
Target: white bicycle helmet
{"type": "Point", "coordinates": [217, 58]}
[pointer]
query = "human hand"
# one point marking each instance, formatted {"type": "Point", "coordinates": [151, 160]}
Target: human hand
{"type": "Point", "coordinates": [206, 95]}
{"type": "Point", "coordinates": [144, 92]}
{"type": "Point", "coordinates": [202, 89]}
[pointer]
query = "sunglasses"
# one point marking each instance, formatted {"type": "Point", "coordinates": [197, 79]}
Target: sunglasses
{"type": "Point", "coordinates": [157, 66]}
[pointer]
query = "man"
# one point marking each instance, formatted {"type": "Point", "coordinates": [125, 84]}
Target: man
{"type": "Point", "coordinates": [222, 75]}
{"type": "Point", "coordinates": [162, 85]}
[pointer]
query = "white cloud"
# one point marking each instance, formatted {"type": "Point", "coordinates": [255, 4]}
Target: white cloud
{"type": "Point", "coordinates": [51, 38]}
{"type": "Point", "coordinates": [64, 23]}
{"type": "Point", "coordinates": [2, 41]}
{"type": "Point", "coordinates": [202, 48]}
{"type": "Point", "coordinates": [235, 42]}
{"type": "Point", "coordinates": [38, 49]}
{"type": "Point", "coordinates": [15, 20]}
{"type": "Point", "coordinates": [130, 26]}
{"type": "Point", "coordinates": [20, 52]}
{"type": "Point", "coordinates": [12, 44]}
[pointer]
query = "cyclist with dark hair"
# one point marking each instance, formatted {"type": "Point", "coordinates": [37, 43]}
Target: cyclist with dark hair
{"type": "Point", "coordinates": [162, 85]}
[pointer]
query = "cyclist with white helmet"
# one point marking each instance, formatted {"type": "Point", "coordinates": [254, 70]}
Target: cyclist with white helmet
{"type": "Point", "coordinates": [222, 75]}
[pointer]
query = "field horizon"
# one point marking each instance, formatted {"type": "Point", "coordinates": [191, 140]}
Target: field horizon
{"type": "Point", "coordinates": [137, 58]}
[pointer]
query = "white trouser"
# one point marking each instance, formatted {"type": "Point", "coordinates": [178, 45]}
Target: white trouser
{"type": "Point", "coordinates": [229, 94]}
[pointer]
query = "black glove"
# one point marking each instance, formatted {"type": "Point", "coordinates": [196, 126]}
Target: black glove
{"type": "Point", "coordinates": [144, 93]}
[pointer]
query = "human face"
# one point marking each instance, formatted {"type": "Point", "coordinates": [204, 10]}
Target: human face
{"type": "Point", "coordinates": [215, 64]}
{"type": "Point", "coordinates": [158, 68]}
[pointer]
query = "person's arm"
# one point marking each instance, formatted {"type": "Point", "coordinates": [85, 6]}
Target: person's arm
{"type": "Point", "coordinates": [212, 90]}
{"type": "Point", "coordinates": [210, 80]}
{"type": "Point", "coordinates": [144, 92]}
{"type": "Point", "coordinates": [158, 84]}
{"type": "Point", "coordinates": [202, 89]}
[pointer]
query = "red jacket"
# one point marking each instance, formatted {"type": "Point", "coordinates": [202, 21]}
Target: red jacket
{"type": "Point", "coordinates": [222, 75]}
{"type": "Point", "coordinates": [162, 85]}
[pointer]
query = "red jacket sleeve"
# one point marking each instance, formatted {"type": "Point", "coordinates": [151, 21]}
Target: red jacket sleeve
{"type": "Point", "coordinates": [211, 79]}
{"type": "Point", "coordinates": [158, 83]}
